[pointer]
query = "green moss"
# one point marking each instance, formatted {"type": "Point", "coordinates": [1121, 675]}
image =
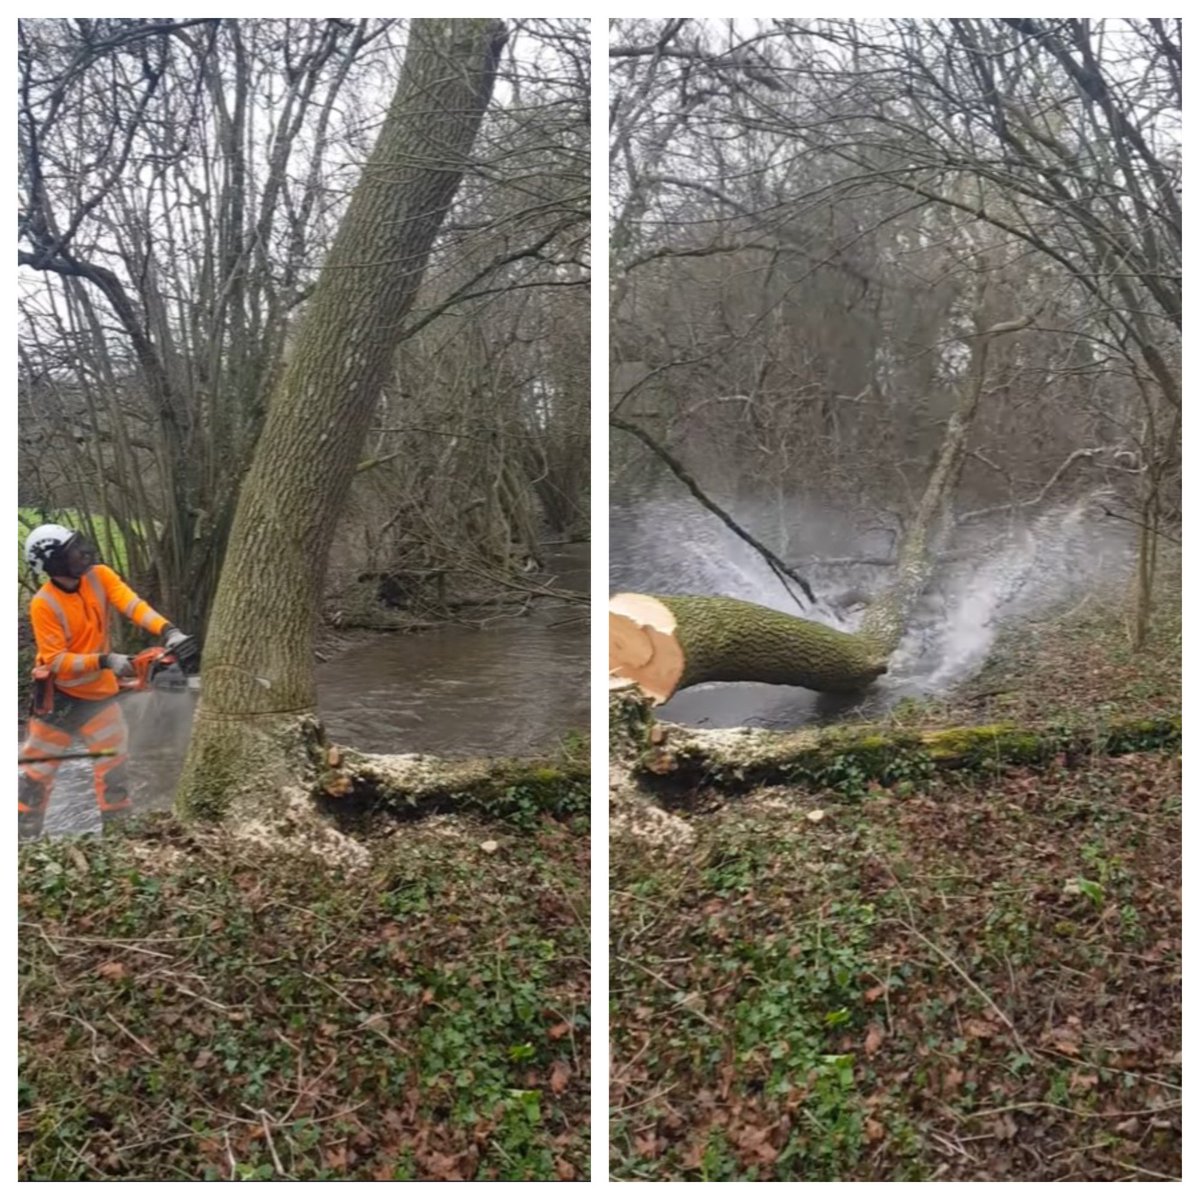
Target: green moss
{"type": "Point", "coordinates": [847, 759]}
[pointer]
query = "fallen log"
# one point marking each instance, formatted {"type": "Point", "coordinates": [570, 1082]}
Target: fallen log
{"type": "Point", "coordinates": [826, 757]}
{"type": "Point", "coordinates": [665, 643]}
{"type": "Point", "coordinates": [406, 786]}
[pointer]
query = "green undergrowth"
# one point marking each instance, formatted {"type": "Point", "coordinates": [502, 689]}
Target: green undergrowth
{"type": "Point", "coordinates": [967, 977]}
{"type": "Point", "coordinates": [198, 1008]}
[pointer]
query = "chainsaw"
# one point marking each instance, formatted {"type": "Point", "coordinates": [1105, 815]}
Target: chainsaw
{"type": "Point", "coordinates": [156, 668]}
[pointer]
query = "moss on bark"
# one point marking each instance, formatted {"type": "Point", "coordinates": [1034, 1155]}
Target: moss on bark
{"type": "Point", "coordinates": [403, 786]}
{"type": "Point", "coordinates": [726, 640]}
{"type": "Point", "coordinates": [238, 768]}
{"type": "Point", "coordinates": [739, 758]}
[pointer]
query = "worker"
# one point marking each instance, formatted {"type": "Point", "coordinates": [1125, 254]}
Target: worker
{"type": "Point", "coordinates": [76, 688]}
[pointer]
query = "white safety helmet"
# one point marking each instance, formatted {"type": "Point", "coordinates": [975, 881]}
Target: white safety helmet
{"type": "Point", "coordinates": [44, 543]}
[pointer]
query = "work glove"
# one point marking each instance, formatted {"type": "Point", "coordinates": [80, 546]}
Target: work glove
{"type": "Point", "coordinates": [121, 665]}
{"type": "Point", "coordinates": [182, 646]}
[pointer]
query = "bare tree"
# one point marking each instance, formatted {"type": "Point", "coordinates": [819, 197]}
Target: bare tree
{"type": "Point", "coordinates": [255, 730]}
{"type": "Point", "coordinates": [801, 259]}
{"type": "Point", "coordinates": [179, 181]}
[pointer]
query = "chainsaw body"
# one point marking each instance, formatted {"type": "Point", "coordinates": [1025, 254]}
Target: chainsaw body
{"type": "Point", "coordinates": [155, 668]}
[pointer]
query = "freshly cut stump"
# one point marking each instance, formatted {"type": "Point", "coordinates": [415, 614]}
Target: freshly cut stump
{"type": "Point", "coordinates": [666, 643]}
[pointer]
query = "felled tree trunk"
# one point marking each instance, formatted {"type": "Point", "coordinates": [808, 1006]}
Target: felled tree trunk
{"type": "Point", "coordinates": [734, 759]}
{"type": "Point", "coordinates": [666, 643]}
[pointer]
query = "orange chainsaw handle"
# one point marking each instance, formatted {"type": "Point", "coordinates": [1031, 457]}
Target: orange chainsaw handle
{"type": "Point", "coordinates": [143, 667]}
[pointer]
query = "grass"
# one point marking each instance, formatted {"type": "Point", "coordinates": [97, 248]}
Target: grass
{"type": "Point", "coordinates": [967, 976]}
{"type": "Point", "coordinates": [192, 1007]}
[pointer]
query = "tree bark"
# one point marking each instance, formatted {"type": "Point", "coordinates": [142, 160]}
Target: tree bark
{"type": "Point", "coordinates": [666, 643]}
{"type": "Point", "coordinates": [255, 729]}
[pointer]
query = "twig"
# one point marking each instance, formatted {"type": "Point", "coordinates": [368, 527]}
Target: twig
{"type": "Point", "coordinates": [134, 1038]}
{"type": "Point", "coordinates": [1075, 1112]}
{"type": "Point", "coordinates": [266, 1128]}
{"type": "Point", "coordinates": [645, 1099]}
{"type": "Point", "coordinates": [90, 1028]}
{"type": "Point", "coordinates": [1074, 456]}
{"type": "Point", "coordinates": [1116, 1162]}
{"type": "Point", "coordinates": [668, 984]}
{"type": "Point", "coordinates": [773, 560]}
{"type": "Point", "coordinates": [950, 962]}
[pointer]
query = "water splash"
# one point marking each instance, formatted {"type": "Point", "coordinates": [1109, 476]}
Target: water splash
{"type": "Point", "coordinates": [991, 572]}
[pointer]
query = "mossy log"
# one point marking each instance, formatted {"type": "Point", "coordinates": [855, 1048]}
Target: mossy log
{"type": "Point", "coordinates": [403, 786]}
{"type": "Point", "coordinates": [737, 758]}
{"type": "Point", "coordinates": [666, 643]}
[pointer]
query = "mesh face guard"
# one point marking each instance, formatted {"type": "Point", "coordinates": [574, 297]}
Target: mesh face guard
{"type": "Point", "coordinates": [73, 559]}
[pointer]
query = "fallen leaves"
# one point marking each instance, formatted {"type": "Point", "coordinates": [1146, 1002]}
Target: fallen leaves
{"type": "Point", "coordinates": [765, 930]}
{"type": "Point", "coordinates": [357, 1034]}
{"type": "Point", "coordinates": [874, 1040]}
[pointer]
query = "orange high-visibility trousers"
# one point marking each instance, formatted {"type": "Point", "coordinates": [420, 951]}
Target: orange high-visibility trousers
{"type": "Point", "coordinates": [100, 725]}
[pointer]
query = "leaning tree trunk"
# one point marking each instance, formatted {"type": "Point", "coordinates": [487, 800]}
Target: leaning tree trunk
{"type": "Point", "coordinates": [256, 731]}
{"type": "Point", "coordinates": [666, 643]}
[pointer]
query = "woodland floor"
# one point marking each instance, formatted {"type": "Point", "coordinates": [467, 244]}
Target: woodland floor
{"type": "Point", "coordinates": [194, 1008]}
{"type": "Point", "coordinates": [961, 976]}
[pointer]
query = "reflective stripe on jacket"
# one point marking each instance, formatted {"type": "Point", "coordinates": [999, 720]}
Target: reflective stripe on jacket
{"type": "Point", "coordinates": [71, 629]}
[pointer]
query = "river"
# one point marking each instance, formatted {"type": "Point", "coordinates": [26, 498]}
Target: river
{"type": "Point", "coordinates": [1007, 568]}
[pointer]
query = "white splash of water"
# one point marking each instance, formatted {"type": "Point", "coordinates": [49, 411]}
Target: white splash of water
{"type": "Point", "coordinates": [992, 572]}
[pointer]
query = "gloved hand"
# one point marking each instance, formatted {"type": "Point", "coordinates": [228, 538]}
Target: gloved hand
{"type": "Point", "coordinates": [181, 645]}
{"type": "Point", "coordinates": [121, 665]}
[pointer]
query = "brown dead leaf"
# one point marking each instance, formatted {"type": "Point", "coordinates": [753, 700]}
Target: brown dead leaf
{"type": "Point", "coordinates": [1004, 1127]}
{"type": "Point", "coordinates": [560, 1076]}
{"type": "Point", "coordinates": [646, 1145]}
{"type": "Point", "coordinates": [1064, 1039]}
{"type": "Point", "coordinates": [979, 1027]}
{"type": "Point", "coordinates": [952, 1081]}
{"type": "Point", "coordinates": [874, 1130]}
{"type": "Point", "coordinates": [874, 1039]}
{"type": "Point", "coordinates": [564, 1169]}
{"type": "Point", "coordinates": [113, 970]}
{"type": "Point", "coordinates": [559, 1031]}
{"type": "Point", "coordinates": [874, 993]}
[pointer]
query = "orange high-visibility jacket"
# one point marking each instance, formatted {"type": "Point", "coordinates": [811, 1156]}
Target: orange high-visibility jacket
{"type": "Point", "coordinates": [71, 629]}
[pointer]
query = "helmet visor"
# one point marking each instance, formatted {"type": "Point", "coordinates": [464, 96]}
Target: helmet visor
{"type": "Point", "coordinates": [73, 559]}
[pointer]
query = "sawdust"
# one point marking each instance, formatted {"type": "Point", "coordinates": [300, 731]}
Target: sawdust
{"type": "Point", "coordinates": [634, 813]}
{"type": "Point", "coordinates": [299, 829]}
